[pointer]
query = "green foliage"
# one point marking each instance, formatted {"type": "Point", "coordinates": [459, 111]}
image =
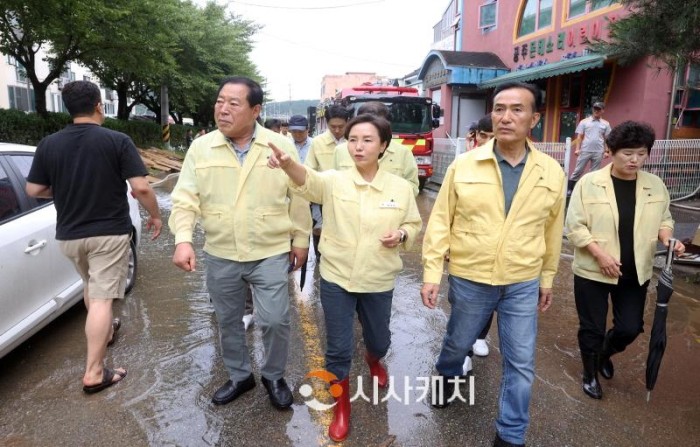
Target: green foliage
{"type": "Point", "coordinates": [133, 47]}
{"type": "Point", "coordinates": [19, 127]}
{"type": "Point", "coordinates": [667, 30]}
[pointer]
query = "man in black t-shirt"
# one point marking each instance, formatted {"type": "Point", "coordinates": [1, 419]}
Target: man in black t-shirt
{"type": "Point", "coordinates": [84, 168]}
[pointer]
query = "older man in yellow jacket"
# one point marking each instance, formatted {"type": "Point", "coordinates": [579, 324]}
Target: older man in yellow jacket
{"type": "Point", "coordinates": [248, 215]}
{"type": "Point", "coordinates": [500, 214]}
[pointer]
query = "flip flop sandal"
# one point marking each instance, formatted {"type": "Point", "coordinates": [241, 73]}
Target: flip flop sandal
{"type": "Point", "coordinates": [107, 381]}
{"type": "Point", "coordinates": [116, 324]}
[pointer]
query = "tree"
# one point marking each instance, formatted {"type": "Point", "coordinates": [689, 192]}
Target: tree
{"type": "Point", "coordinates": [140, 53]}
{"type": "Point", "coordinates": [666, 30]}
{"type": "Point", "coordinates": [211, 45]}
{"type": "Point", "coordinates": [65, 30]}
{"type": "Point", "coordinates": [133, 47]}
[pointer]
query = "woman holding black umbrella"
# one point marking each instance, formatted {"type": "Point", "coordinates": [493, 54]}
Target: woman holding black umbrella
{"type": "Point", "coordinates": [615, 218]}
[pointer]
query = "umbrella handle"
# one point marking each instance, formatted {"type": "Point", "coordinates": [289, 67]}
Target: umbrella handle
{"type": "Point", "coordinates": [669, 252]}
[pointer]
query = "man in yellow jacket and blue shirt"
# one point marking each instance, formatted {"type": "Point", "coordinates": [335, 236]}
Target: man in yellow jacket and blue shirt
{"type": "Point", "coordinates": [248, 214]}
{"type": "Point", "coordinates": [499, 214]}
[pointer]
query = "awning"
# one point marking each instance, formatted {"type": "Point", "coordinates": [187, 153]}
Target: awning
{"type": "Point", "coordinates": [548, 70]}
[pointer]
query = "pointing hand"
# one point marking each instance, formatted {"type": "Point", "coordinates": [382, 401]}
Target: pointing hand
{"type": "Point", "coordinates": [278, 158]}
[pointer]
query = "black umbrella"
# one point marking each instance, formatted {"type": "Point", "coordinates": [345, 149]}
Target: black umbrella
{"type": "Point", "coordinates": [302, 279]}
{"type": "Point", "coordinates": [657, 341]}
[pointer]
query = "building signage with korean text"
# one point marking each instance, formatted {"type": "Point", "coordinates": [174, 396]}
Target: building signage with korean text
{"type": "Point", "coordinates": [565, 39]}
{"type": "Point", "coordinates": [436, 74]}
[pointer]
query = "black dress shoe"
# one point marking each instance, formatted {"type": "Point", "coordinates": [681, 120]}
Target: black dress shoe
{"type": "Point", "coordinates": [607, 369]}
{"type": "Point", "coordinates": [280, 394]}
{"type": "Point", "coordinates": [230, 391]}
{"type": "Point", "coordinates": [498, 442]}
{"type": "Point", "coordinates": [442, 391]}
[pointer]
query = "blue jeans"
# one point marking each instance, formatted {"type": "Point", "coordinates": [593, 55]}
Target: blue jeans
{"type": "Point", "coordinates": [472, 305]}
{"type": "Point", "coordinates": [339, 307]}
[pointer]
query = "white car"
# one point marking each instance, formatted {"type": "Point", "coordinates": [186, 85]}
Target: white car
{"type": "Point", "coordinates": [37, 283]}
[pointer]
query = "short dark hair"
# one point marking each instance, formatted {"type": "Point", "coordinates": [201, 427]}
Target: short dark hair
{"type": "Point", "coordinates": [381, 124]}
{"type": "Point", "coordinates": [375, 108]}
{"type": "Point", "coordinates": [272, 122]}
{"type": "Point", "coordinates": [485, 124]}
{"type": "Point", "coordinates": [532, 88]}
{"type": "Point", "coordinates": [337, 111]}
{"type": "Point", "coordinates": [81, 97]}
{"type": "Point", "coordinates": [255, 92]}
{"type": "Point", "coordinates": [630, 135]}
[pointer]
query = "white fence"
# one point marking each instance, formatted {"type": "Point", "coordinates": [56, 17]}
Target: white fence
{"type": "Point", "coordinates": [677, 162]}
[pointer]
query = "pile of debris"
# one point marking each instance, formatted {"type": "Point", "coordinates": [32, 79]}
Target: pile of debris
{"type": "Point", "coordinates": [161, 163]}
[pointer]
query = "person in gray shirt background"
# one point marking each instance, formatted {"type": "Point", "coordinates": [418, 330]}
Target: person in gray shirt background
{"type": "Point", "coordinates": [590, 143]}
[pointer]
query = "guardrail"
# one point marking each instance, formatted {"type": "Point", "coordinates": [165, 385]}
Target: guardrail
{"type": "Point", "coordinates": [677, 162]}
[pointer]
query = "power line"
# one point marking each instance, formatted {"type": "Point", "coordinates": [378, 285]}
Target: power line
{"type": "Point", "coordinates": [349, 5]}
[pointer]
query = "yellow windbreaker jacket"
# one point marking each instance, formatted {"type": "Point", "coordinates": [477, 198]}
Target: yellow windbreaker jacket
{"type": "Point", "coordinates": [321, 156]}
{"type": "Point", "coordinates": [468, 220]}
{"type": "Point", "coordinates": [356, 214]}
{"type": "Point", "coordinates": [593, 217]}
{"type": "Point", "coordinates": [248, 212]}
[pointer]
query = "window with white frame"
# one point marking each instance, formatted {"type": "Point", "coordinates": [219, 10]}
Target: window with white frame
{"type": "Point", "coordinates": [537, 14]}
{"type": "Point", "coordinates": [21, 74]}
{"type": "Point", "coordinates": [21, 98]}
{"type": "Point", "coordinates": [68, 75]}
{"type": "Point", "coordinates": [58, 104]}
{"type": "Point", "coordinates": [488, 13]}
{"type": "Point", "coordinates": [581, 7]}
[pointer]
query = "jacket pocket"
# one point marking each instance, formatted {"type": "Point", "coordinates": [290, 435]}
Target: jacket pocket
{"type": "Point", "coordinates": [586, 261]}
{"type": "Point", "coordinates": [525, 253]}
{"type": "Point", "coordinates": [217, 219]}
{"type": "Point", "coordinates": [473, 245]}
{"type": "Point", "coordinates": [272, 224]}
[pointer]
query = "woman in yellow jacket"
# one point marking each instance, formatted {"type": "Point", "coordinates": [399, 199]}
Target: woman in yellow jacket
{"type": "Point", "coordinates": [368, 215]}
{"type": "Point", "coordinates": [615, 218]}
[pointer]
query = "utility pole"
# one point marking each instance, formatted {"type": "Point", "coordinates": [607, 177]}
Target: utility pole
{"type": "Point", "coordinates": [164, 115]}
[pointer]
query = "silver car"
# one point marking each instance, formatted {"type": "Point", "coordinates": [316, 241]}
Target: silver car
{"type": "Point", "coordinates": [37, 283]}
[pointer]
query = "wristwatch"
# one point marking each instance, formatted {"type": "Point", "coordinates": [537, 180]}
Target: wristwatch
{"type": "Point", "coordinates": [403, 237]}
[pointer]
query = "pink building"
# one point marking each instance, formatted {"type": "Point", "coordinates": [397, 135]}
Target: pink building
{"type": "Point", "coordinates": [332, 84]}
{"type": "Point", "coordinates": [544, 42]}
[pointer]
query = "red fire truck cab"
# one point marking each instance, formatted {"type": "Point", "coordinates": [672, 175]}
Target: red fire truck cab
{"type": "Point", "coordinates": [413, 119]}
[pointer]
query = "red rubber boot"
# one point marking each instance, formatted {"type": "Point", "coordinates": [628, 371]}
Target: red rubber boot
{"type": "Point", "coordinates": [339, 428]}
{"type": "Point", "coordinates": [376, 369]}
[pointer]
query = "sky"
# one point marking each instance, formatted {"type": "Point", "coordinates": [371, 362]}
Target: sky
{"type": "Point", "coordinates": [303, 40]}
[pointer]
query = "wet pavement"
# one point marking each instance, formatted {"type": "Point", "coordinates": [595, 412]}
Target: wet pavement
{"type": "Point", "coordinates": [169, 343]}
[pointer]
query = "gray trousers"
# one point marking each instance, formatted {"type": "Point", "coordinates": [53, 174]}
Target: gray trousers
{"type": "Point", "coordinates": [227, 282]}
{"type": "Point", "coordinates": [595, 159]}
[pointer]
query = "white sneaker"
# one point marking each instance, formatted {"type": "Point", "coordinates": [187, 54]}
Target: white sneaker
{"type": "Point", "coordinates": [480, 348]}
{"type": "Point", "coordinates": [247, 321]}
{"type": "Point", "coordinates": [467, 367]}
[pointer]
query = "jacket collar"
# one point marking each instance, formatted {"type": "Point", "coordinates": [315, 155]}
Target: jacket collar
{"type": "Point", "coordinates": [486, 152]}
{"type": "Point", "coordinates": [378, 183]}
{"type": "Point", "coordinates": [603, 177]}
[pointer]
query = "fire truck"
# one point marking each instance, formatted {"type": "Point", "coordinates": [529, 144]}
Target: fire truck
{"type": "Point", "coordinates": [413, 119]}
